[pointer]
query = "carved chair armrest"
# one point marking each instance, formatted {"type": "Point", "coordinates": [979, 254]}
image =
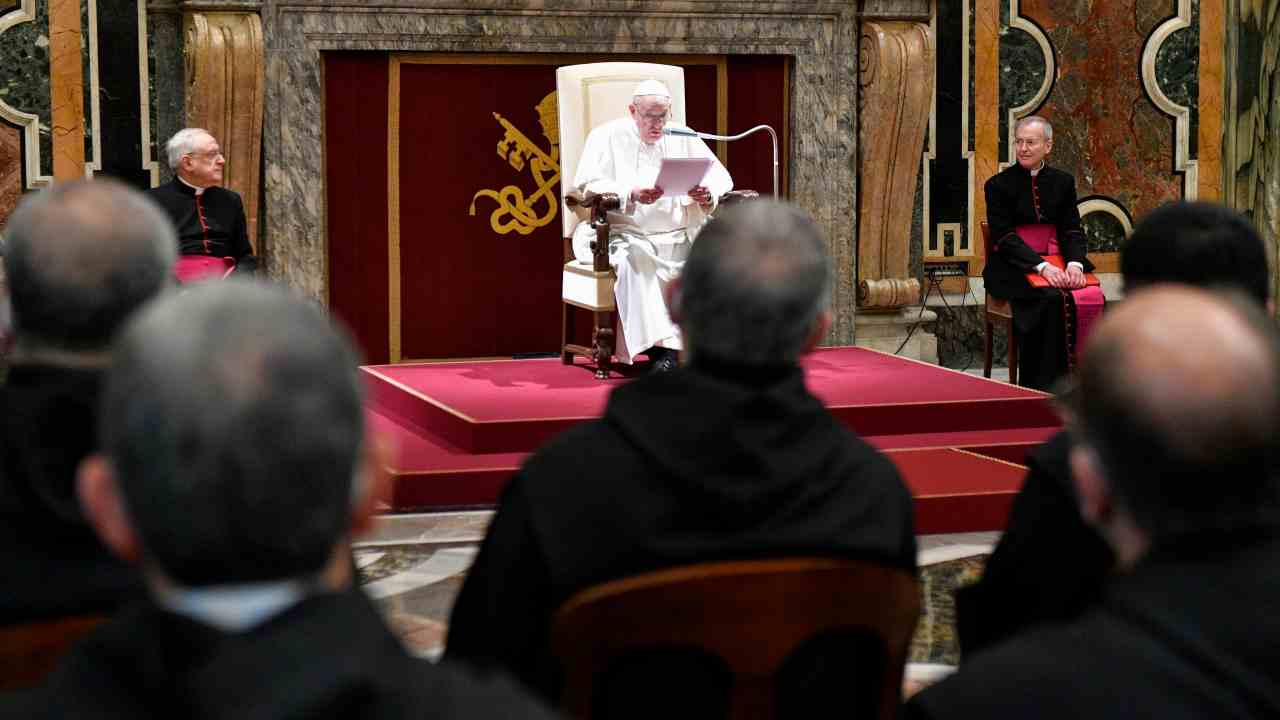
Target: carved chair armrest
{"type": "Point", "coordinates": [598, 206]}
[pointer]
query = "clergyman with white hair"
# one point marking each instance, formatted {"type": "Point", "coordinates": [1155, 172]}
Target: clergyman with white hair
{"type": "Point", "coordinates": [1032, 216]}
{"type": "Point", "coordinates": [651, 234]}
{"type": "Point", "coordinates": [209, 218]}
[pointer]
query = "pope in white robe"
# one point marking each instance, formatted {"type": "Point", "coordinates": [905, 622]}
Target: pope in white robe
{"type": "Point", "coordinates": [651, 234]}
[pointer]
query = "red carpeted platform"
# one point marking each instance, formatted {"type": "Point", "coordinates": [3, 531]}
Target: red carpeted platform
{"type": "Point", "coordinates": [464, 427]}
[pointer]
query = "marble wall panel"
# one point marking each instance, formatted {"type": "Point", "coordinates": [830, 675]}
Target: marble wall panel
{"type": "Point", "coordinates": [24, 76]}
{"type": "Point", "coordinates": [820, 35]}
{"type": "Point", "coordinates": [10, 170]}
{"type": "Point", "coordinates": [167, 81]}
{"type": "Point", "coordinates": [1108, 133]}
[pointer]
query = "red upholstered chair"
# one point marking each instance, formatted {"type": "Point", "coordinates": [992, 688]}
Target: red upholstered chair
{"type": "Point", "coordinates": [997, 312]}
{"type": "Point", "coordinates": [753, 615]}
{"type": "Point", "coordinates": [31, 651]}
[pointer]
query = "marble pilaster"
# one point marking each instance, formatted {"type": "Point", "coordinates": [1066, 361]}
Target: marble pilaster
{"type": "Point", "coordinates": [66, 87]}
{"type": "Point", "coordinates": [820, 35]}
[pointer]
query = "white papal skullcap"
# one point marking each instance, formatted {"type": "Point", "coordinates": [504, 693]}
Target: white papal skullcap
{"type": "Point", "coordinates": [651, 87]}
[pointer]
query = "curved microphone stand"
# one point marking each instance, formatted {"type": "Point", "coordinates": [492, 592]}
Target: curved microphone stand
{"type": "Point", "coordinates": [688, 132]}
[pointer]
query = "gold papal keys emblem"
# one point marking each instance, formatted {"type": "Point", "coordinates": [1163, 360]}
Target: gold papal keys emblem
{"type": "Point", "coordinates": [515, 212]}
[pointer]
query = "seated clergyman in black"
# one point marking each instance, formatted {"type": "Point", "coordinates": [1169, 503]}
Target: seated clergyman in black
{"type": "Point", "coordinates": [209, 218]}
{"type": "Point", "coordinates": [1174, 462]}
{"type": "Point", "coordinates": [1049, 565]}
{"type": "Point", "coordinates": [1031, 212]}
{"type": "Point", "coordinates": [81, 257]}
{"type": "Point", "coordinates": [235, 469]}
{"type": "Point", "coordinates": [726, 457]}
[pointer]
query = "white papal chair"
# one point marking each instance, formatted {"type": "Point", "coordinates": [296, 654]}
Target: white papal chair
{"type": "Point", "coordinates": [590, 95]}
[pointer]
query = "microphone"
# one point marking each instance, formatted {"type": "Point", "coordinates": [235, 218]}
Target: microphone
{"type": "Point", "coordinates": [681, 131]}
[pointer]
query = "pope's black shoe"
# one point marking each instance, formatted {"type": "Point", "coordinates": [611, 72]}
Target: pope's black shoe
{"type": "Point", "coordinates": [664, 359]}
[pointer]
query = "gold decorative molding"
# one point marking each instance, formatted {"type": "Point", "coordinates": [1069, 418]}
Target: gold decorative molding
{"type": "Point", "coordinates": [896, 76]}
{"type": "Point", "coordinates": [225, 90]}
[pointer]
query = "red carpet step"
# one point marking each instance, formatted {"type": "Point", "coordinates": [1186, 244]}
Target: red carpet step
{"type": "Point", "coordinates": [464, 427]}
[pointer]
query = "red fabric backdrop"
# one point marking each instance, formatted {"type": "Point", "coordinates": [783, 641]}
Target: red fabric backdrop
{"type": "Point", "coordinates": [466, 290]}
{"type": "Point", "coordinates": [355, 138]}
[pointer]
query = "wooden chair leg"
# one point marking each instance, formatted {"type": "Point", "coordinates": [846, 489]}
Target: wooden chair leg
{"type": "Point", "coordinates": [987, 345]}
{"type": "Point", "coordinates": [602, 344]}
{"type": "Point", "coordinates": [566, 357]}
{"type": "Point", "coordinates": [1013, 355]}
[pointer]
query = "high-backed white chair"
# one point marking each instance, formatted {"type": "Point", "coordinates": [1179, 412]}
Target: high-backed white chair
{"type": "Point", "coordinates": [590, 95]}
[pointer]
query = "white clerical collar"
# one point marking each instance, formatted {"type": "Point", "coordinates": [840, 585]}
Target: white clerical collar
{"type": "Point", "coordinates": [1038, 169]}
{"type": "Point", "coordinates": [199, 190]}
{"type": "Point", "coordinates": [235, 608]}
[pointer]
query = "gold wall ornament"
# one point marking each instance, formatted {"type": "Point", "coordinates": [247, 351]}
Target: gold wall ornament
{"type": "Point", "coordinates": [225, 95]}
{"type": "Point", "coordinates": [516, 148]}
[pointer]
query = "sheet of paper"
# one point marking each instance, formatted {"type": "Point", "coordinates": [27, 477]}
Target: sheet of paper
{"type": "Point", "coordinates": [679, 175]}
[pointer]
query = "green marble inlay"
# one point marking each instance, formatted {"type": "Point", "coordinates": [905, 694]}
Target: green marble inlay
{"type": "Point", "coordinates": [1178, 71]}
{"type": "Point", "coordinates": [24, 75]}
{"type": "Point", "coordinates": [1022, 69]}
{"type": "Point", "coordinates": [1103, 232]}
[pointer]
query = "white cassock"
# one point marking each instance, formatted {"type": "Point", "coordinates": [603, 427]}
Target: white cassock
{"type": "Point", "coordinates": [647, 243]}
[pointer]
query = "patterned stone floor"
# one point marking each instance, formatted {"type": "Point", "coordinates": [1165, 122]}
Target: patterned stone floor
{"type": "Point", "coordinates": [413, 565]}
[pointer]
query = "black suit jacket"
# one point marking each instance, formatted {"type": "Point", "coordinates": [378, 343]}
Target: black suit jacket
{"type": "Point", "coordinates": [54, 564]}
{"type": "Point", "coordinates": [330, 656]}
{"type": "Point", "coordinates": [1190, 633]}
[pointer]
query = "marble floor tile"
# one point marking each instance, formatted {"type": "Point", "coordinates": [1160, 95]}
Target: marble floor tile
{"type": "Point", "coordinates": [413, 566]}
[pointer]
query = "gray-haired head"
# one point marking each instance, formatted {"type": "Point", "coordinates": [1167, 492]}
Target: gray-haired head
{"type": "Point", "coordinates": [1045, 126]}
{"type": "Point", "coordinates": [755, 284]}
{"type": "Point", "coordinates": [232, 418]}
{"type": "Point", "coordinates": [183, 142]}
{"type": "Point", "coordinates": [80, 257]}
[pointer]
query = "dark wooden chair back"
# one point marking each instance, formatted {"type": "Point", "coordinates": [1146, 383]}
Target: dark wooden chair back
{"type": "Point", "coordinates": [997, 312]}
{"type": "Point", "coordinates": [753, 615]}
{"type": "Point", "coordinates": [30, 651]}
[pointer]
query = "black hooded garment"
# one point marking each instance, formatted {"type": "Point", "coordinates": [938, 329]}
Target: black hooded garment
{"type": "Point", "coordinates": [684, 467]}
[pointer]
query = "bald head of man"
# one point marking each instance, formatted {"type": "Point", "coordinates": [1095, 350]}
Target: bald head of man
{"type": "Point", "coordinates": [1178, 416]}
{"type": "Point", "coordinates": [81, 257]}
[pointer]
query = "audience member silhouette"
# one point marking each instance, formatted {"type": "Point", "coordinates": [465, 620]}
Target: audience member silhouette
{"type": "Point", "coordinates": [235, 469]}
{"type": "Point", "coordinates": [1175, 462]}
{"type": "Point", "coordinates": [728, 456]}
{"type": "Point", "coordinates": [1050, 565]}
{"type": "Point", "coordinates": [80, 258]}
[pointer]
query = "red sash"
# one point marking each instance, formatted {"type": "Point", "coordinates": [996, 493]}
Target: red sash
{"type": "Point", "coordinates": [1089, 301]}
{"type": "Point", "coordinates": [194, 268]}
